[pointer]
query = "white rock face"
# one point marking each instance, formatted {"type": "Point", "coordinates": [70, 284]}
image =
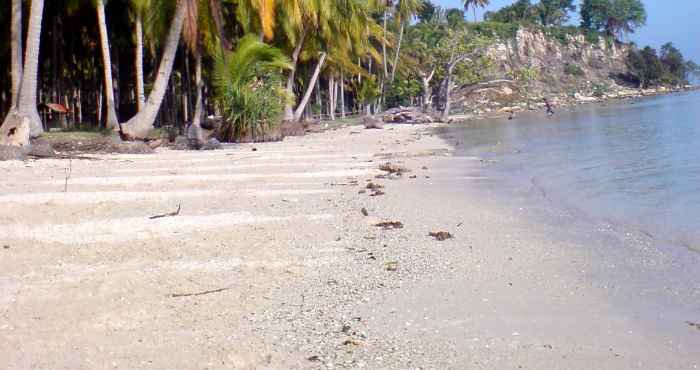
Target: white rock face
{"type": "Point", "coordinates": [532, 48]}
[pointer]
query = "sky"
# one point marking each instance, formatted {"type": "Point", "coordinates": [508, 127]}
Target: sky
{"type": "Point", "coordinates": [679, 23]}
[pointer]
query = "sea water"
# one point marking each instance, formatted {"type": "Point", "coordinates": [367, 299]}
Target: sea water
{"type": "Point", "coordinates": [635, 163]}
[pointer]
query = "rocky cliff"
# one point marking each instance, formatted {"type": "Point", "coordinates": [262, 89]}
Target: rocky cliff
{"type": "Point", "coordinates": [565, 68]}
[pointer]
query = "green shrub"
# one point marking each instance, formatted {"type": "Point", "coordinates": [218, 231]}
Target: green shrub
{"type": "Point", "coordinates": [573, 70]}
{"type": "Point", "coordinates": [599, 90]}
{"type": "Point", "coordinates": [524, 75]}
{"type": "Point", "coordinates": [400, 91]}
{"type": "Point", "coordinates": [248, 89]}
{"type": "Point", "coordinates": [592, 37]}
{"type": "Point", "coordinates": [501, 31]}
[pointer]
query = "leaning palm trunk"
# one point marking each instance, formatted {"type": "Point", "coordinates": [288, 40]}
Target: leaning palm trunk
{"type": "Point", "coordinates": [139, 126]}
{"type": "Point", "coordinates": [384, 58]}
{"type": "Point", "coordinates": [398, 53]}
{"type": "Point", "coordinates": [288, 109]}
{"type": "Point", "coordinates": [305, 100]}
{"type": "Point", "coordinates": [23, 121]}
{"type": "Point", "coordinates": [112, 120]}
{"type": "Point", "coordinates": [140, 91]}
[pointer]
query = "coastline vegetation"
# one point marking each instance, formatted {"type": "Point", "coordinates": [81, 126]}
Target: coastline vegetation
{"type": "Point", "coordinates": [134, 65]}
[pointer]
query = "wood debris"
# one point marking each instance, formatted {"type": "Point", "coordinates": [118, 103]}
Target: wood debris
{"type": "Point", "coordinates": [177, 295]}
{"type": "Point", "coordinates": [170, 214]}
{"type": "Point", "coordinates": [440, 235]}
{"type": "Point", "coordinates": [389, 225]}
{"type": "Point", "coordinates": [374, 186]}
{"type": "Point", "coordinates": [393, 169]}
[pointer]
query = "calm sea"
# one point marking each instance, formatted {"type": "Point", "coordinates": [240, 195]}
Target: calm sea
{"type": "Point", "coordinates": [634, 164]}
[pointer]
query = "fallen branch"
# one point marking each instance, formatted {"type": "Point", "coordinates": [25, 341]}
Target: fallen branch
{"type": "Point", "coordinates": [170, 214]}
{"type": "Point", "coordinates": [61, 156]}
{"type": "Point", "coordinates": [389, 225]}
{"type": "Point", "coordinates": [178, 295]}
{"type": "Point", "coordinates": [69, 171]}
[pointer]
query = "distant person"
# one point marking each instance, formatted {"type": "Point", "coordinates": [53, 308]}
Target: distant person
{"type": "Point", "coordinates": [550, 111]}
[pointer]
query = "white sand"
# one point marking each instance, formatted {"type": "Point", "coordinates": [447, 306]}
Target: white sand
{"type": "Point", "coordinates": [284, 271]}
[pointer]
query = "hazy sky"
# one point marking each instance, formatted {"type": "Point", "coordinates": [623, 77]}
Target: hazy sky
{"type": "Point", "coordinates": [677, 21]}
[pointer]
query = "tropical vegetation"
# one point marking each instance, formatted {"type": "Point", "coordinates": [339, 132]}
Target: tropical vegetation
{"type": "Point", "coordinates": [133, 65]}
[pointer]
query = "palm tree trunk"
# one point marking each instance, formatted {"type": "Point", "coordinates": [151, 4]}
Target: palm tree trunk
{"type": "Point", "coordinates": [198, 106]}
{"type": "Point", "coordinates": [305, 100]}
{"type": "Point", "coordinates": [28, 89]}
{"type": "Point", "coordinates": [398, 53]}
{"type": "Point", "coordinates": [342, 94]}
{"type": "Point", "coordinates": [16, 35]}
{"type": "Point", "coordinates": [386, 71]}
{"type": "Point", "coordinates": [218, 18]}
{"type": "Point", "coordinates": [194, 132]}
{"type": "Point", "coordinates": [112, 120]}
{"type": "Point", "coordinates": [331, 97]}
{"type": "Point", "coordinates": [140, 91]}
{"type": "Point", "coordinates": [139, 125]}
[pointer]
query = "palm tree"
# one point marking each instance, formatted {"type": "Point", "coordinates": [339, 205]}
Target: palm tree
{"type": "Point", "coordinates": [316, 28]}
{"type": "Point", "coordinates": [405, 11]}
{"type": "Point", "coordinates": [139, 126]}
{"type": "Point", "coordinates": [26, 113]}
{"type": "Point", "coordinates": [112, 119]}
{"type": "Point", "coordinates": [475, 4]}
{"type": "Point", "coordinates": [257, 16]}
{"type": "Point", "coordinates": [298, 18]}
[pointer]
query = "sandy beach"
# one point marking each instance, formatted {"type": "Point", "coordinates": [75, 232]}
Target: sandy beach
{"type": "Point", "coordinates": [271, 263]}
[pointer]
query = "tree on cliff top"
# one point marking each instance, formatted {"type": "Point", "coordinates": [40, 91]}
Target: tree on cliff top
{"type": "Point", "coordinates": [615, 17]}
{"type": "Point", "coordinates": [522, 11]}
{"type": "Point", "coordinates": [473, 4]}
{"type": "Point", "coordinates": [555, 11]}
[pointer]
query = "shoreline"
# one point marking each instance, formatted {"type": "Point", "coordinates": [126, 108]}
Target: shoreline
{"type": "Point", "coordinates": [567, 103]}
{"type": "Point", "coordinates": [308, 281]}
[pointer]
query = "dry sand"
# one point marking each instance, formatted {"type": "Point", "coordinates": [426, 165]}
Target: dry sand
{"type": "Point", "coordinates": [271, 264]}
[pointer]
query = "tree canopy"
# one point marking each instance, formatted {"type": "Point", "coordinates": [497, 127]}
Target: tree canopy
{"type": "Point", "coordinates": [615, 17]}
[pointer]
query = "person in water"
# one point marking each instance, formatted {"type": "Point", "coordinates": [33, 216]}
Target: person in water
{"type": "Point", "coordinates": [550, 111]}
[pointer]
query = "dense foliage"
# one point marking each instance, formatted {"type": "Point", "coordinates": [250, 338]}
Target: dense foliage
{"type": "Point", "coordinates": [648, 68]}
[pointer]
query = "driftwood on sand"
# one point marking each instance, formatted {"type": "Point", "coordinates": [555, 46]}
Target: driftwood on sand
{"type": "Point", "coordinates": [410, 115]}
{"type": "Point", "coordinates": [372, 122]}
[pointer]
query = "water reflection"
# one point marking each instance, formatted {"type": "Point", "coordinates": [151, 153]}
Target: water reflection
{"type": "Point", "coordinates": [634, 162]}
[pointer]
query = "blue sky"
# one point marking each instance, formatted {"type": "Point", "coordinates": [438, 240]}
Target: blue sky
{"type": "Point", "coordinates": [679, 23]}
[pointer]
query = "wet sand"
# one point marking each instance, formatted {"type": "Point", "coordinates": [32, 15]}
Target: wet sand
{"type": "Point", "coordinates": [272, 264]}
